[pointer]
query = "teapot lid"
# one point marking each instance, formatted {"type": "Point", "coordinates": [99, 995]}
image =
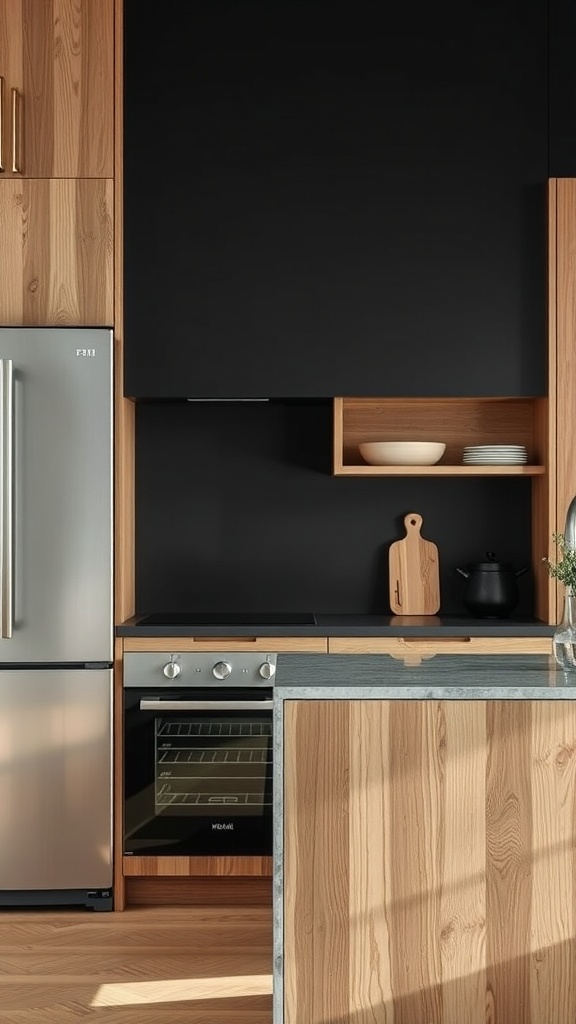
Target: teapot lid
{"type": "Point", "coordinates": [492, 565]}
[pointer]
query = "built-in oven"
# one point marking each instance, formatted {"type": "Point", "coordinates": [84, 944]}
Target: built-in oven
{"type": "Point", "coordinates": [198, 754]}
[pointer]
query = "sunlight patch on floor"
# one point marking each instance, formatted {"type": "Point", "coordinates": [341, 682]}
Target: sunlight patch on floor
{"type": "Point", "coordinates": [182, 989]}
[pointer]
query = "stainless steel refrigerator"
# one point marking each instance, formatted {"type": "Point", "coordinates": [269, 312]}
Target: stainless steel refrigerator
{"type": "Point", "coordinates": [56, 621]}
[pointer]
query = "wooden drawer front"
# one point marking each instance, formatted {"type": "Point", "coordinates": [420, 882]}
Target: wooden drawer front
{"type": "Point", "coordinates": [301, 644]}
{"type": "Point", "coordinates": [412, 650]}
{"type": "Point", "coordinates": [191, 866]}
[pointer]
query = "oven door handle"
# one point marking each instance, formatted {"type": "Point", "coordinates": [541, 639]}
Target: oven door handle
{"type": "Point", "coordinates": [206, 705]}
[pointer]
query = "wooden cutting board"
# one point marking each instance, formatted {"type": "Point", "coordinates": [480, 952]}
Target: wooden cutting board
{"type": "Point", "coordinates": [414, 572]}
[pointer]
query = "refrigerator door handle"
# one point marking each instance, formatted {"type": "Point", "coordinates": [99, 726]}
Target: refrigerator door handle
{"type": "Point", "coordinates": [6, 497]}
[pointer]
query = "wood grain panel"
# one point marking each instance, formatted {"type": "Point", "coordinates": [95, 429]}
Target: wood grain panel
{"type": "Point", "coordinates": [317, 837]}
{"type": "Point", "coordinates": [416, 795]}
{"type": "Point", "coordinates": [225, 890]}
{"type": "Point", "coordinates": [553, 783]}
{"type": "Point", "coordinates": [298, 644]}
{"type": "Point", "coordinates": [461, 740]}
{"type": "Point", "coordinates": [125, 513]}
{"type": "Point", "coordinates": [455, 421]}
{"type": "Point", "coordinates": [56, 241]}
{"type": "Point", "coordinates": [413, 649]}
{"type": "Point", "coordinates": [118, 778]}
{"type": "Point", "coordinates": [220, 866]}
{"type": "Point", "coordinates": [59, 55]}
{"type": "Point", "coordinates": [564, 292]}
{"type": "Point", "coordinates": [509, 825]}
{"type": "Point", "coordinates": [449, 837]}
{"type": "Point", "coordinates": [371, 868]}
{"type": "Point", "coordinates": [544, 509]}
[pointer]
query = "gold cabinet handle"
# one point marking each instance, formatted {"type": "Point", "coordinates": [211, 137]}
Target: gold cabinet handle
{"type": "Point", "coordinates": [16, 169]}
{"type": "Point", "coordinates": [1, 124]}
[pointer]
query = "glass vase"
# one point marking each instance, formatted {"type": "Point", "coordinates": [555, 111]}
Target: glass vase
{"type": "Point", "coordinates": [564, 637]}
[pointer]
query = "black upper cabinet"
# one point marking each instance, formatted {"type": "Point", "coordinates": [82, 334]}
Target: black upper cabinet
{"type": "Point", "coordinates": [336, 197]}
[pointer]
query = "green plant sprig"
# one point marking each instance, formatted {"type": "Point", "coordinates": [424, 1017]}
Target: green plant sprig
{"type": "Point", "coordinates": [564, 569]}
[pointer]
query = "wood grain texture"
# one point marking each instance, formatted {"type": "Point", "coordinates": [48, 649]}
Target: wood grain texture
{"type": "Point", "coordinates": [455, 421]}
{"type": "Point", "coordinates": [447, 882]}
{"type": "Point", "coordinates": [219, 866]}
{"type": "Point", "coordinates": [59, 55]}
{"type": "Point", "coordinates": [563, 288]}
{"type": "Point", "coordinates": [412, 649]}
{"type": "Point", "coordinates": [544, 510]}
{"type": "Point", "coordinates": [56, 242]}
{"type": "Point", "coordinates": [145, 966]}
{"type": "Point", "coordinates": [316, 858]}
{"type": "Point", "coordinates": [224, 890]}
{"type": "Point", "coordinates": [414, 572]}
{"type": "Point", "coordinates": [302, 644]}
{"type": "Point", "coordinates": [118, 777]}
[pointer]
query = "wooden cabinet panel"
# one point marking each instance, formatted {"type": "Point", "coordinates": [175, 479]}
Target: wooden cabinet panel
{"type": "Point", "coordinates": [57, 252]}
{"type": "Point", "coordinates": [429, 861]}
{"type": "Point", "coordinates": [457, 422]}
{"type": "Point", "coordinates": [188, 867]}
{"type": "Point", "coordinates": [57, 62]}
{"type": "Point", "coordinates": [412, 650]}
{"type": "Point", "coordinates": [297, 644]}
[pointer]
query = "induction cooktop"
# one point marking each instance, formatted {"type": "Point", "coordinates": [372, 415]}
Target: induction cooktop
{"type": "Point", "coordinates": [228, 619]}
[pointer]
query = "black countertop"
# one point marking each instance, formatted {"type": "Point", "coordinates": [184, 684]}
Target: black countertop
{"type": "Point", "coordinates": [332, 626]}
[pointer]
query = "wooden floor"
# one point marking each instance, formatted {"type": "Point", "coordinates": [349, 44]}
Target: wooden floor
{"type": "Point", "coordinates": [146, 965]}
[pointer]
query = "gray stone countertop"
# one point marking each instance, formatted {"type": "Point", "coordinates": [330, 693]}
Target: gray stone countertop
{"type": "Point", "coordinates": [442, 677]}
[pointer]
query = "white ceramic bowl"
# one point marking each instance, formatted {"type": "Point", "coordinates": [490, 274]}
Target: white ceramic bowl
{"type": "Point", "coordinates": [402, 453]}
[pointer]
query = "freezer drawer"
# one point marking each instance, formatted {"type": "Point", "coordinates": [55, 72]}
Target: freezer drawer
{"type": "Point", "coordinates": [55, 779]}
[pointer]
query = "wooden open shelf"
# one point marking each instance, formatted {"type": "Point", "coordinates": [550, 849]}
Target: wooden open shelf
{"type": "Point", "coordinates": [455, 421]}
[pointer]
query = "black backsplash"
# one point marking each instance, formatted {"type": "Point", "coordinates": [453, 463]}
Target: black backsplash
{"type": "Point", "coordinates": [237, 510]}
{"type": "Point", "coordinates": [236, 505]}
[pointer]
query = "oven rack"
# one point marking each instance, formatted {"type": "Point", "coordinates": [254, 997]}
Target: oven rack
{"type": "Point", "coordinates": [166, 798]}
{"type": "Point", "coordinates": [214, 755]}
{"type": "Point", "coordinates": [221, 729]}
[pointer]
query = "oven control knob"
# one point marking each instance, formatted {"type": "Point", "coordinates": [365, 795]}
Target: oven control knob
{"type": "Point", "coordinates": [267, 670]}
{"type": "Point", "coordinates": [221, 670]}
{"type": "Point", "coordinates": [172, 669]}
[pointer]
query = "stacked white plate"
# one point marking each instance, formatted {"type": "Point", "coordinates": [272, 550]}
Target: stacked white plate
{"type": "Point", "coordinates": [495, 455]}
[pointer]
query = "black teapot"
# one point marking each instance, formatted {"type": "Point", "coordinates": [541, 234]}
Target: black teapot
{"type": "Point", "coordinates": [491, 590]}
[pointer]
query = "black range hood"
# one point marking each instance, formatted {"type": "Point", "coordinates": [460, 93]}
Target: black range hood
{"type": "Point", "coordinates": [228, 619]}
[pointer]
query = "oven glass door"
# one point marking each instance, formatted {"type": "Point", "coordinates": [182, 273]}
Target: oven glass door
{"type": "Point", "coordinates": [198, 772]}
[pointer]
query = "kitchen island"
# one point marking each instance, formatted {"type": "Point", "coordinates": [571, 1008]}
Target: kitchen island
{"type": "Point", "coordinates": [425, 841]}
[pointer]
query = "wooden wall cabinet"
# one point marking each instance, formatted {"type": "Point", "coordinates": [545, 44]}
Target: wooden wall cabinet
{"type": "Point", "coordinates": [57, 88]}
{"type": "Point", "coordinates": [429, 861]}
{"type": "Point", "coordinates": [57, 94]}
{"type": "Point", "coordinates": [457, 422]}
{"type": "Point", "coordinates": [56, 240]}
